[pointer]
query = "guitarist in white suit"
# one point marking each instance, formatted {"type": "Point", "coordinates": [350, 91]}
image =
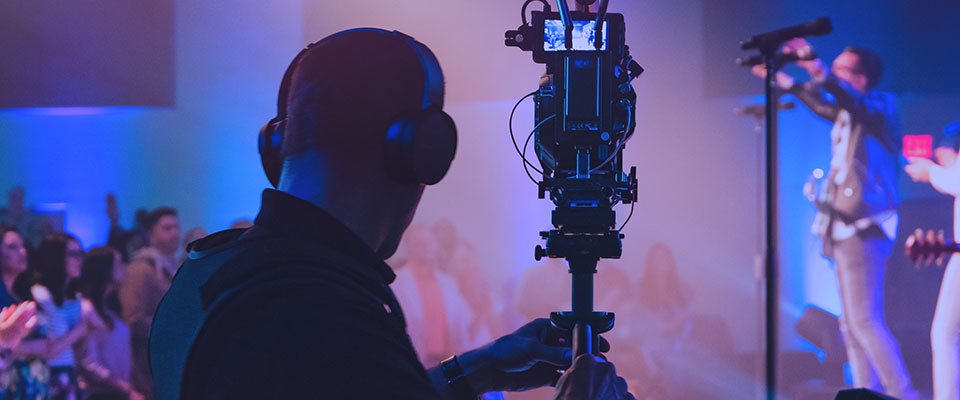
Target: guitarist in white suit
{"type": "Point", "coordinates": [944, 175]}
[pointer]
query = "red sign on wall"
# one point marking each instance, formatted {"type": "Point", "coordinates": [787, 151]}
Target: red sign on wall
{"type": "Point", "coordinates": [918, 146]}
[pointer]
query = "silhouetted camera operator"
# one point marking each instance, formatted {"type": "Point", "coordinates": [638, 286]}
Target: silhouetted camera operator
{"type": "Point", "coordinates": [298, 306]}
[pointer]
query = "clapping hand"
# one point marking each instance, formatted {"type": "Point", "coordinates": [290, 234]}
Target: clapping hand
{"type": "Point", "coordinates": [16, 321]}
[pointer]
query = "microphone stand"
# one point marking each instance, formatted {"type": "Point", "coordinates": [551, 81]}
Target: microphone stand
{"type": "Point", "coordinates": [771, 272]}
{"type": "Point", "coordinates": [768, 44]}
{"type": "Point", "coordinates": [759, 262]}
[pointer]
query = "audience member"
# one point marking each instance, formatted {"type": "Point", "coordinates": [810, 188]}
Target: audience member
{"type": "Point", "coordinates": [104, 356]}
{"type": "Point", "coordinates": [438, 317]}
{"type": "Point", "coordinates": [670, 346]}
{"type": "Point", "coordinates": [657, 326]}
{"type": "Point", "coordinates": [17, 383]}
{"type": "Point", "coordinates": [149, 277]}
{"type": "Point", "coordinates": [15, 322]}
{"type": "Point", "coordinates": [58, 264]}
{"type": "Point", "coordinates": [661, 290]}
{"type": "Point", "coordinates": [458, 258]}
{"type": "Point", "coordinates": [13, 263]}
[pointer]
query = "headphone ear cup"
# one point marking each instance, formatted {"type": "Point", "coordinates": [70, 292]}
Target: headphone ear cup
{"type": "Point", "coordinates": [420, 147]}
{"type": "Point", "coordinates": [270, 143]}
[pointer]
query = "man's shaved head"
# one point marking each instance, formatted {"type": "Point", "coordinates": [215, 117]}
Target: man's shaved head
{"type": "Point", "coordinates": [347, 90]}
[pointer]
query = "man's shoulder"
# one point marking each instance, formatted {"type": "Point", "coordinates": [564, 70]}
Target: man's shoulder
{"type": "Point", "coordinates": [286, 276]}
{"type": "Point", "coordinates": [887, 99]}
{"type": "Point", "coordinates": [146, 254]}
{"type": "Point", "coordinates": [143, 258]}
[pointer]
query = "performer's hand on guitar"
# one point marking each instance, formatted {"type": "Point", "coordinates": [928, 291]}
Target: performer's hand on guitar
{"type": "Point", "coordinates": [919, 169]}
{"type": "Point", "coordinates": [929, 247]}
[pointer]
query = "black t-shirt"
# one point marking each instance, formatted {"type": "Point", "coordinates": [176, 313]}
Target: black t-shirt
{"type": "Point", "coordinates": [327, 338]}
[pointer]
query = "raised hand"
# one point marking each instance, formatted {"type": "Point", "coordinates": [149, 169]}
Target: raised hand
{"type": "Point", "coordinates": [919, 169]}
{"type": "Point", "coordinates": [113, 213]}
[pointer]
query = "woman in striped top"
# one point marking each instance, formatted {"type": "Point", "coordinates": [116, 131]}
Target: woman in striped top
{"type": "Point", "coordinates": [62, 320]}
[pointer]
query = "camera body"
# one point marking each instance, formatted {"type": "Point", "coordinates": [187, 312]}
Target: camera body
{"type": "Point", "coordinates": [581, 91]}
{"type": "Point", "coordinates": [585, 112]}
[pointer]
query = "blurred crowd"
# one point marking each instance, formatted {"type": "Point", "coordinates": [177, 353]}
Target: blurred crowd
{"type": "Point", "coordinates": [80, 320]}
{"type": "Point", "coordinates": [89, 336]}
{"type": "Point", "coordinates": [453, 303]}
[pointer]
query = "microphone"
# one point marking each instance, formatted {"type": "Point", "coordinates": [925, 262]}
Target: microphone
{"type": "Point", "coordinates": [758, 110]}
{"type": "Point", "coordinates": [817, 27]}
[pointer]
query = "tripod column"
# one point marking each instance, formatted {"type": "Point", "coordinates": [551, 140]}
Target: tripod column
{"type": "Point", "coordinates": [582, 270]}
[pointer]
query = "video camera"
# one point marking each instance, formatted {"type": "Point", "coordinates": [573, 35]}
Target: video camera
{"type": "Point", "coordinates": [585, 111]}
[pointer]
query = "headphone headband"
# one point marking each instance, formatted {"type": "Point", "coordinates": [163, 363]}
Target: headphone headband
{"type": "Point", "coordinates": [420, 143]}
{"type": "Point", "coordinates": [433, 74]}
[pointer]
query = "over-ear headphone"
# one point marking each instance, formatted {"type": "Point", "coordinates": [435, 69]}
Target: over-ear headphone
{"type": "Point", "coordinates": [419, 144]}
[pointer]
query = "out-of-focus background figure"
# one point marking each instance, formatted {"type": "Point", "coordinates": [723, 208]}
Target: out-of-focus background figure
{"type": "Point", "coordinates": [439, 318]}
{"type": "Point", "coordinates": [148, 278]}
{"type": "Point", "coordinates": [944, 175]}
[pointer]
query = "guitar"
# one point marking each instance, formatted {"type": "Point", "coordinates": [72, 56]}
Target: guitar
{"type": "Point", "coordinates": [925, 248]}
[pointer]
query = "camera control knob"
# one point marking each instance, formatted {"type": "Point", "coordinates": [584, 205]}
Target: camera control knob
{"type": "Point", "coordinates": [539, 253]}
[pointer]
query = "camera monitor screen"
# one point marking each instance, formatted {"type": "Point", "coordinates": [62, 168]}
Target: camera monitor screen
{"type": "Point", "coordinates": [583, 35]}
